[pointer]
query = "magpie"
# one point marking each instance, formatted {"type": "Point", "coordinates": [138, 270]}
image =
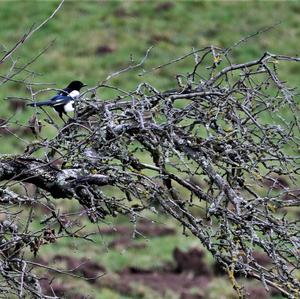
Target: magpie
{"type": "Point", "coordinates": [64, 100]}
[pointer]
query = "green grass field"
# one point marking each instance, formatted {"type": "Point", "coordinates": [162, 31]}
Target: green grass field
{"type": "Point", "coordinates": [88, 40]}
{"type": "Point", "coordinates": [126, 28]}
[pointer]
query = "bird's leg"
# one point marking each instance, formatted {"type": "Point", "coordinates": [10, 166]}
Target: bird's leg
{"type": "Point", "coordinates": [61, 116]}
{"type": "Point", "coordinates": [70, 117]}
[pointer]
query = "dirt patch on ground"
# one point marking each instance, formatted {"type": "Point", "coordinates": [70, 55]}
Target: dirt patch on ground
{"type": "Point", "coordinates": [188, 273]}
{"type": "Point", "coordinates": [125, 243]}
{"type": "Point", "coordinates": [188, 276]}
{"type": "Point", "coordinates": [58, 289]}
{"type": "Point", "coordinates": [83, 267]}
{"type": "Point", "coordinates": [87, 269]}
{"type": "Point", "coordinates": [191, 261]}
{"type": "Point", "coordinates": [124, 234]}
{"type": "Point", "coordinates": [276, 182]}
{"type": "Point", "coordinates": [143, 228]}
{"type": "Point", "coordinates": [292, 194]}
{"type": "Point", "coordinates": [162, 283]}
{"type": "Point", "coordinates": [259, 257]}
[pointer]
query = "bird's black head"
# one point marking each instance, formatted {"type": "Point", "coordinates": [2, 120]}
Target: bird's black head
{"type": "Point", "coordinates": [76, 85]}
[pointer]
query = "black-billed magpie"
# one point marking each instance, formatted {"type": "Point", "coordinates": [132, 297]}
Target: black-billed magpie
{"type": "Point", "coordinates": [64, 100]}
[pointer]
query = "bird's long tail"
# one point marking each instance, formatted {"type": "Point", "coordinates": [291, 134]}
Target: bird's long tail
{"type": "Point", "coordinates": [39, 104]}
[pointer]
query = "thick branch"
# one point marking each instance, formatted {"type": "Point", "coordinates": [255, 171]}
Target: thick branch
{"type": "Point", "coordinates": [59, 183]}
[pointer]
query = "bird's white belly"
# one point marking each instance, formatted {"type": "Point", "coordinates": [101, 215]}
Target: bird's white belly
{"type": "Point", "coordinates": [74, 94]}
{"type": "Point", "coordinates": [69, 107]}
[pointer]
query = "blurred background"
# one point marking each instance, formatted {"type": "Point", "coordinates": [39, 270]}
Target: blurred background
{"type": "Point", "coordinates": [87, 41]}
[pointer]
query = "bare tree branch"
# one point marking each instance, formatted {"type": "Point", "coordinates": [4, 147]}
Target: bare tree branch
{"type": "Point", "coordinates": [27, 35]}
{"type": "Point", "coordinates": [234, 128]}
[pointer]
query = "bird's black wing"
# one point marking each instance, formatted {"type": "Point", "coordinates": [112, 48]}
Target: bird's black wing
{"type": "Point", "coordinates": [60, 100]}
{"type": "Point", "coordinates": [55, 101]}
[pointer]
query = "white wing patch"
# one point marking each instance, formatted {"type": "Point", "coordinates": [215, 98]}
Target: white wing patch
{"type": "Point", "coordinates": [74, 94]}
{"type": "Point", "coordinates": [58, 102]}
{"type": "Point", "coordinates": [69, 106]}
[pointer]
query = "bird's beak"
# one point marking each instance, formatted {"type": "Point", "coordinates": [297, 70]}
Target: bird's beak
{"type": "Point", "coordinates": [84, 85]}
